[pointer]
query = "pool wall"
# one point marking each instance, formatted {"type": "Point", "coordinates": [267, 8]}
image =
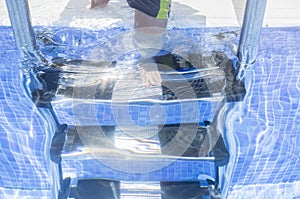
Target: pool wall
{"type": "Point", "coordinates": [263, 131]}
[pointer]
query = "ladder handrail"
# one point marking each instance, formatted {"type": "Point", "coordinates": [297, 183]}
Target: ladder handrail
{"type": "Point", "coordinates": [250, 34]}
{"type": "Point", "coordinates": [20, 19]}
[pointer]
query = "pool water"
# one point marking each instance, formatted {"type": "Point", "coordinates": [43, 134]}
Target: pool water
{"type": "Point", "coordinates": [261, 132]}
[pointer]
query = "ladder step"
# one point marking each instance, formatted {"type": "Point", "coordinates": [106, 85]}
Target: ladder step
{"type": "Point", "coordinates": [142, 170]}
{"type": "Point", "coordinates": [99, 157]}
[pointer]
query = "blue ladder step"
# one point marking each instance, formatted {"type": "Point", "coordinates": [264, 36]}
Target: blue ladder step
{"type": "Point", "coordinates": [154, 169]}
{"type": "Point", "coordinates": [87, 153]}
{"type": "Point", "coordinates": [108, 113]}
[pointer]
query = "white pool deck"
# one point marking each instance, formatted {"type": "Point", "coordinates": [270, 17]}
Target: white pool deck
{"type": "Point", "coordinates": [185, 13]}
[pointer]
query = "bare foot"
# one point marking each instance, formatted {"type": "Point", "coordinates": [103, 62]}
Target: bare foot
{"type": "Point", "coordinates": [98, 3]}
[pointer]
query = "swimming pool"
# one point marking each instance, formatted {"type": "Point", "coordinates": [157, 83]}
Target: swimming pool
{"type": "Point", "coordinates": [69, 47]}
{"type": "Point", "coordinates": [262, 131]}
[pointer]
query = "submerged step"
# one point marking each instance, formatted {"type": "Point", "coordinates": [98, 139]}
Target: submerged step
{"type": "Point", "coordinates": [177, 156]}
{"type": "Point", "coordinates": [94, 188]}
{"type": "Point", "coordinates": [140, 113]}
{"type": "Point", "coordinates": [111, 93]}
{"type": "Point", "coordinates": [142, 170]}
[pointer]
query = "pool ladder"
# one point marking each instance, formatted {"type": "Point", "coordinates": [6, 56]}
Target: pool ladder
{"type": "Point", "coordinates": [24, 36]}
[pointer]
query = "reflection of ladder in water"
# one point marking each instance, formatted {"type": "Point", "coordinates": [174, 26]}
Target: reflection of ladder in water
{"type": "Point", "coordinates": [248, 50]}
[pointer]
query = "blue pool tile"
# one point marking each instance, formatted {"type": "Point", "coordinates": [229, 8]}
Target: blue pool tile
{"type": "Point", "coordinates": [273, 108]}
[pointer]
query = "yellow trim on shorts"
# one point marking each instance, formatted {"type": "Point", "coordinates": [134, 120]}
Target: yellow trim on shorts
{"type": "Point", "coordinates": [164, 9]}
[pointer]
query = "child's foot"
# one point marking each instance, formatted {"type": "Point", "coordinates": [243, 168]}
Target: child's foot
{"type": "Point", "coordinates": [150, 74]}
{"type": "Point", "coordinates": [98, 3]}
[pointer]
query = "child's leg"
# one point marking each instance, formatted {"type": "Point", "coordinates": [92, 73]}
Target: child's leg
{"type": "Point", "coordinates": [148, 33]}
{"type": "Point", "coordinates": [144, 21]}
{"type": "Point", "coordinates": [148, 38]}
